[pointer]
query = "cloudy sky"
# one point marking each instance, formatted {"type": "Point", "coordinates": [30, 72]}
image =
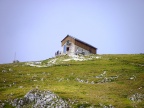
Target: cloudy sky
{"type": "Point", "coordinates": [33, 29]}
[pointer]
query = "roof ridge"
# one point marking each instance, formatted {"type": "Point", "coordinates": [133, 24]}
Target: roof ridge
{"type": "Point", "coordinates": [81, 41]}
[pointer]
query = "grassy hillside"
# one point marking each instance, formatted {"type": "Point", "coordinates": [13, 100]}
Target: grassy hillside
{"type": "Point", "coordinates": [94, 80]}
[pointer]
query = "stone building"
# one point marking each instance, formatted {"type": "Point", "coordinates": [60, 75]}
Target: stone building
{"type": "Point", "coordinates": [72, 45]}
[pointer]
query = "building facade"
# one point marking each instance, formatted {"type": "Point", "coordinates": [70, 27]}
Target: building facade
{"type": "Point", "coordinates": [71, 45]}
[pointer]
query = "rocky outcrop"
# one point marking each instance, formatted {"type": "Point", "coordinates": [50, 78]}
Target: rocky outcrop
{"type": "Point", "coordinates": [40, 99]}
{"type": "Point", "coordinates": [137, 97]}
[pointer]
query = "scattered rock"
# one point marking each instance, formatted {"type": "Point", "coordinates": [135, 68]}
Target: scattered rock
{"type": "Point", "coordinates": [101, 75]}
{"type": "Point", "coordinates": [92, 82]}
{"type": "Point", "coordinates": [106, 79]}
{"type": "Point", "coordinates": [83, 81]}
{"type": "Point", "coordinates": [98, 57]}
{"type": "Point", "coordinates": [133, 77]}
{"type": "Point", "coordinates": [10, 85]}
{"type": "Point", "coordinates": [140, 88]}
{"type": "Point", "coordinates": [60, 80]}
{"type": "Point", "coordinates": [40, 99]}
{"type": "Point", "coordinates": [106, 106]}
{"type": "Point", "coordinates": [20, 86]}
{"type": "Point", "coordinates": [138, 97]}
{"type": "Point", "coordinates": [10, 70]}
{"type": "Point", "coordinates": [54, 61]}
{"type": "Point", "coordinates": [4, 70]}
{"type": "Point", "coordinates": [35, 80]}
{"type": "Point", "coordinates": [42, 79]}
{"type": "Point", "coordinates": [80, 80]}
{"type": "Point", "coordinates": [2, 105]}
{"type": "Point", "coordinates": [37, 63]}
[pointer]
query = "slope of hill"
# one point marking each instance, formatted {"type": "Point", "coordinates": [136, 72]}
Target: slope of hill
{"type": "Point", "coordinates": [95, 81]}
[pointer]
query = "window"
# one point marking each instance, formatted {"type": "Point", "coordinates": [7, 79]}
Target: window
{"type": "Point", "coordinates": [68, 42]}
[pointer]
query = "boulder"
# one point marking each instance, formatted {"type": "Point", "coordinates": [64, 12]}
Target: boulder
{"type": "Point", "coordinates": [40, 99]}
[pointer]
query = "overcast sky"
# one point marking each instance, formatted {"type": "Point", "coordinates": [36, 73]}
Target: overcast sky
{"type": "Point", "coordinates": [34, 28]}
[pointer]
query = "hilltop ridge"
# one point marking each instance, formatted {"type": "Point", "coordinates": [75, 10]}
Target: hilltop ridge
{"type": "Point", "coordinates": [94, 81]}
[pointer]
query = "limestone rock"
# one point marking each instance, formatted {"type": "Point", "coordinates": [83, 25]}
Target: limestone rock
{"type": "Point", "coordinates": [40, 99]}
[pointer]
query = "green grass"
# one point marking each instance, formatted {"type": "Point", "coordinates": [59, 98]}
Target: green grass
{"type": "Point", "coordinates": [61, 79]}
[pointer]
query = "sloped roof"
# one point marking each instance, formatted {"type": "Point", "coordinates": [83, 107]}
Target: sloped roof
{"type": "Point", "coordinates": [79, 41]}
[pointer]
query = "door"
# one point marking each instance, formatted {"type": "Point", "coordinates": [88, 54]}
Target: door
{"type": "Point", "coordinates": [64, 49]}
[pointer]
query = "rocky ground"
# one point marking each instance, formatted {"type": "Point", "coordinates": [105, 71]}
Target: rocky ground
{"type": "Point", "coordinates": [94, 81]}
{"type": "Point", "coordinates": [40, 99]}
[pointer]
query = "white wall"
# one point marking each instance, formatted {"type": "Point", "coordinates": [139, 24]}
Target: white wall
{"type": "Point", "coordinates": [79, 49]}
{"type": "Point", "coordinates": [73, 49]}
